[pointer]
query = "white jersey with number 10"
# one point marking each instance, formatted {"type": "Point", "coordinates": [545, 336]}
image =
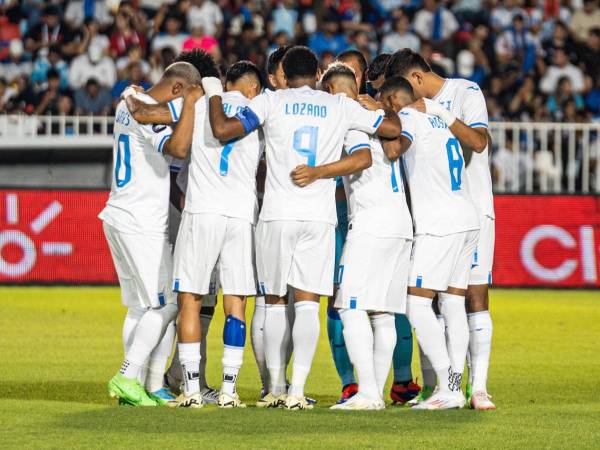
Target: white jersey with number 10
{"type": "Point", "coordinates": [435, 169]}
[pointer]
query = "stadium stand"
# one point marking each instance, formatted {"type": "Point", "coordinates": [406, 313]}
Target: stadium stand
{"type": "Point", "coordinates": [63, 62]}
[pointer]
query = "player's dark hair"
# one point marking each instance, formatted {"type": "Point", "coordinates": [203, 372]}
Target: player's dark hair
{"type": "Point", "coordinates": [275, 58]}
{"type": "Point", "coordinates": [202, 61]}
{"type": "Point", "coordinates": [397, 83]}
{"type": "Point", "coordinates": [337, 69]}
{"type": "Point", "coordinates": [52, 74]}
{"type": "Point", "coordinates": [362, 62]}
{"type": "Point", "coordinates": [404, 60]}
{"type": "Point", "coordinates": [377, 66]}
{"type": "Point", "coordinates": [241, 69]}
{"type": "Point", "coordinates": [300, 62]}
{"type": "Point", "coordinates": [184, 71]}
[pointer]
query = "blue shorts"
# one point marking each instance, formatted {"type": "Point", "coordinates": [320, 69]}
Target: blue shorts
{"type": "Point", "coordinates": [340, 236]}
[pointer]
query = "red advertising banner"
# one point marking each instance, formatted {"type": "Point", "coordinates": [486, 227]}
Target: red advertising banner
{"type": "Point", "coordinates": [547, 241]}
{"type": "Point", "coordinates": [53, 237]}
{"type": "Point", "coordinates": [56, 237]}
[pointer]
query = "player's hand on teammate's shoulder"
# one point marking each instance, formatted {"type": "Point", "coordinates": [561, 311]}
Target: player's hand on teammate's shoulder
{"type": "Point", "coordinates": [419, 105]}
{"type": "Point", "coordinates": [369, 102]}
{"type": "Point", "coordinates": [193, 92]}
{"type": "Point", "coordinates": [304, 175]}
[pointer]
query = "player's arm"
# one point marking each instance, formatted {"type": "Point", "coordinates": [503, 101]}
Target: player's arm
{"type": "Point", "coordinates": [179, 143]}
{"type": "Point", "coordinates": [224, 128]}
{"type": "Point", "coordinates": [395, 148]}
{"type": "Point", "coordinates": [389, 126]}
{"type": "Point", "coordinates": [359, 159]}
{"type": "Point", "coordinates": [145, 113]}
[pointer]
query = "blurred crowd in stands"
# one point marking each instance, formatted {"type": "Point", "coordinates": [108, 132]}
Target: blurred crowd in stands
{"type": "Point", "coordinates": [536, 60]}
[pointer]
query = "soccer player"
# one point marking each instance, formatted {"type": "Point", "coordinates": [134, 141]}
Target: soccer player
{"type": "Point", "coordinates": [446, 231]}
{"type": "Point", "coordinates": [136, 224]}
{"type": "Point", "coordinates": [295, 233]}
{"type": "Point", "coordinates": [460, 103]}
{"type": "Point", "coordinates": [373, 271]}
{"type": "Point", "coordinates": [275, 70]}
{"type": "Point", "coordinates": [376, 71]}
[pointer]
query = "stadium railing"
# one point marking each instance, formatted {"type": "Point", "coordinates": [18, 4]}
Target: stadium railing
{"type": "Point", "coordinates": [528, 157]}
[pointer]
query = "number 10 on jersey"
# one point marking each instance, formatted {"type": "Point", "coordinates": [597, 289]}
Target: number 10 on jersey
{"type": "Point", "coordinates": [305, 143]}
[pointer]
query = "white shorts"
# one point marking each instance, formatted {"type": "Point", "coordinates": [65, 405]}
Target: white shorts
{"type": "Point", "coordinates": [439, 262]}
{"type": "Point", "coordinates": [483, 257]}
{"type": "Point", "coordinates": [205, 239]}
{"type": "Point", "coordinates": [294, 253]}
{"type": "Point", "coordinates": [144, 265]}
{"type": "Point", "coordinates": [174, 221]}
{"type": "Point", "coordinates": [373, 273]}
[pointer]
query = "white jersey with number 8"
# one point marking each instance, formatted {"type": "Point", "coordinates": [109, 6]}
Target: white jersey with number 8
{"type": "Point", "coordinates": [435, 169]}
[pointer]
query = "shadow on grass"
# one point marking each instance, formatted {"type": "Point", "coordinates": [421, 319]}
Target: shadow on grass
{"type": "Point", "coordinates": [63, 391]}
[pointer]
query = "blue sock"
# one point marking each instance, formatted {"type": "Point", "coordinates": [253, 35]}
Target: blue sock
{"type": "Point", "coordinates": [344, 367]}
{"type": "Point", "coordinates": [234, 338]}
{"type": "Point", "coordinates": [404, 349]}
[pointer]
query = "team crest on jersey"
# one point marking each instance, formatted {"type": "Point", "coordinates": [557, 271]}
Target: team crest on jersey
{"type": "Point", "coordinates": [158, 128]}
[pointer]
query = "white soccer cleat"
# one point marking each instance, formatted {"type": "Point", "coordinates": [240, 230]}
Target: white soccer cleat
{"type": "Point", "coordinates": [230, 401]}
{"type": "Point", "coordinates": [442, 400]}
{"type": "Point", "coordinates": [297, 403]}
{"type": "Point", "coordinates": [193, 401]}
{"type": "Point", "coordinates": [359, 402]}
{"type": "Point", "coordinates": [271, 401]}
{"type": "Point", "coordinates": [481, 400]}
{"type": "Point", "coordinates": [210, 396]}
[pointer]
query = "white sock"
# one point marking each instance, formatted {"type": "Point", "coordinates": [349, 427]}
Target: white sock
{"type": "Point", "coordinates": [384, 342]}
{"type": "Point", "coordinates": [258, 340]}
{"type": "Point", "coordinates": [189, 356]}
{"type": "Point", "coordinates": [429, 375]}
{"type": "Point", "coordinates": [305, 335]}
{"type": "Point", "coordinates": [158, 360]}
{"type": "Point", "coordinates": [233, 358]}
{"type": "Point", "coordinates": [358, 335]}
{"type": "Point", "coordinates": [480, 346]}
{"type": "Point", "coordinates": [453, 309]}
{"type": "Point", "coordinates": [134, 314]}
{"type": "Point", "coordinates": [291, 315]}
{"type": "Point", "coordinates": [276, 337]}
{"type": "Point", "coordinates": [430, 337]}
{"type": "Point", "coordinates": [148, 333]}
{"type": "Point", "coordinates": [205, 320]}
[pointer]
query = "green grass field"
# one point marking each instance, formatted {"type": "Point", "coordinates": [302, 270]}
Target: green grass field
{"type": "Point", "coordinates": [59, 347]}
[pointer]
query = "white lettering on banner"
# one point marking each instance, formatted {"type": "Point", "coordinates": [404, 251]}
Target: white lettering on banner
{"type": "Point", "coordinates": [566, 240]}
{"type": "Point", "coordinates": [27, 246]}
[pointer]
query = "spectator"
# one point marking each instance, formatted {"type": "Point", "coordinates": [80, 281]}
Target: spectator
{"type": "Point", "coordinates": [6, 93]}
{"type": "Point", "coordinates": [91, 36]}
{"type": "Point", "coordinates": [92, 99]}
{"type": "Point", "coordinates": [401, 37]}
{"type": "Point", "coordinates": [561, 68]}
{"type": "Point", "coordinates": [92, 64]}
{"type": "Point", "coordinates": [561, 38]}
{"type": "Point", "coordinates": [52, 61]}
{"type": "Point", "coordinates": [9, 32]}
{"type": "Point", "coordinates": [172, 36]}
{"type": "Point", "coordinates": [589, 54]}
{"type": "Point", "coordinates": [285, 18]}
{"type": "Point", "coordinates": [208, 15]}
{"type": "Point", "coordinates": [329, 38]}
{"type": "Point", "coordinates": [558, 101]}
{"type": "Point", "coordinates": [125, 35]}
{"type": "Point", "coordinates": [351, 17]}
{"type": "Point", "coordinates": [204, 42]}
{"type": "Point", "coordinates": [160, 62]}
{"type": "Point", "coordinates": [79, 11]}
{"type": "Point", "coordinates": [135, 76]}
{"type": "Point", "coordinates": [503, 14]}
{"type": "Point", "coordinates": [16, 66]}
{"type": "Point", "coordinates": [48, 99]}
{"type": "Point", "coordinates": [526, 104]}
{"type": "Point", "coordinates": [585, 19]}
{"type": "Point", "coordinates": [516, 44]}
{"type": "Point", "coordinates": [246, 45]}
{"type": "Point", "coordinates": [510, 166]}
{"type": "Point", "coordinates": [434, 22]}
{"type": "Point", "coordinates": [51, 31]}
{"type": "Point", "coordinates": [134, 55]}
{"type": "Point", "coordinates": [249, 13]}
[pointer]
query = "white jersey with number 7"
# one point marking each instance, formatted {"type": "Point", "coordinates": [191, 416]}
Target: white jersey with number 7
{"type": "Point", "coordinates": [304, 126]}
{"type": "Point", "coordinates": [435, 166]}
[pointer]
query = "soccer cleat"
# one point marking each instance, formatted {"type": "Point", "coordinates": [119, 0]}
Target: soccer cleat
{"type": "Point", "coordinates": [310, 401]}
{"type": "Point", "coordinates": [296, 403]}
{"type": "Point", "coordinates": [130, 391]}
{"type": "Point", "coordinates": [442, 400]}
{"type": "Point", "coordinates": [481, 400]}
{"type": "Point", "coordinates": [348, 392]}
{"type": "Point", "coordinates": [210, 396]}
{"type": "Point", "coordinates": [271, 401]}
{"type": "Point", "coordinates": [230, 401]}
{"type": "Point", "coordinates": [360, 403]}
{"type": "Point", "coordinates": [403, 392]}
{"type": "Point", "coordinates": [163, 397]}
{"type": "Point", "coordinates": [424, 394]}
{"type": "Point", "coordinates": [193, 401]}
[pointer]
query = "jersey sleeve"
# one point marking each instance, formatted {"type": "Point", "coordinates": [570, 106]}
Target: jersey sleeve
{"type": "Point", "coordinates": [175, 107]}
{"type": "Point", "coordinates": [409, 123]}
{"type": "Point", "coordinates": [356, 140]}
{"type": "Point", "coordinates": [359, 118]}
{"type": "Point", "coordinates": [474, 109]}
{"type": "Point", "coordinates": [255, 114]}
{"type": "Point", "coordinates": [157, 135]}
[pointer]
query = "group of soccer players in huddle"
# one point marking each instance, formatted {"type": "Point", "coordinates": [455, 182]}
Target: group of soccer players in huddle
{"type": "Point", "coordinates": [308, 188]}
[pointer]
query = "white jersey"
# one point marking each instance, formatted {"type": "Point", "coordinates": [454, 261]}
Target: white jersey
{"type": "Point", "coordinates": [304, 126]}
{"type": "Point", "coordinates": [139, 194]}
{"type": "Point", "coordinates": [376, 198]}
{"type": "Point", "coordinates": [465, 100]}
{"type": "Point", "coordinates": [434, 163]}
{"type": "Point", "coordinates": [222, 177]}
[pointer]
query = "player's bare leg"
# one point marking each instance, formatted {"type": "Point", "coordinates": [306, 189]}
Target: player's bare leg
{"type": "Point", "coordinates": [189, 334]}
{"type": "Point", "coordinates": [480, 345]}
{"type": "Point", "coordinates": [234, 340]}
